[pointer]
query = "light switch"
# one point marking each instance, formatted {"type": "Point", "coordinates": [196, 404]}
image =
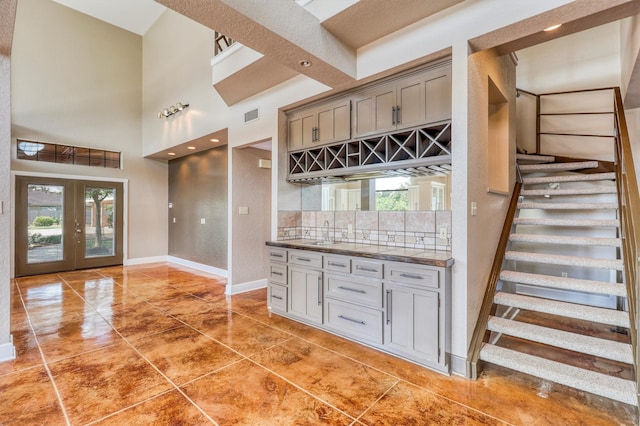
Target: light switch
{"type": "Point", "coordinates": [243, 210]}
{"type": "Point", "coordinates": [174, 220]}
{"type": "Point", "coordinates": [202, 221]}
{"type": "Point", "coordinates": [474, 208]}
{"type": "Point", "coordinates": [443, 232]}
{"type": "Point", "coordinates": [170, 205]}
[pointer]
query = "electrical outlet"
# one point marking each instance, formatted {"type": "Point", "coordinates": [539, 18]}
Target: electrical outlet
{"type": "Point", "coordinates": [202, 221]}
{"type": "Point", "coordinates": [174, 220]}
{"type": "Point", "coordinates": [564, 275]}
{"type": "Point", "coordinates": [443, 232]}
{"type": "Point", "coordinates": [474, 208]}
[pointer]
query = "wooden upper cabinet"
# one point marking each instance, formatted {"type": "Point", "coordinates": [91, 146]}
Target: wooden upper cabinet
{"type": "Point", "coordinates": [406, 102]}
{"type": "Point", "coordinates": [438, 95]}
{"type": "Point", "coordinates": [413, 100]}
{"type": "Point", "coordinates": [301, 129]}
{"type": "Point", "coordinates": [319, 125]}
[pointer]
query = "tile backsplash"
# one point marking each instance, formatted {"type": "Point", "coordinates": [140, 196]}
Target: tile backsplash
{"type": "Point", "coordinates": [419, 229]}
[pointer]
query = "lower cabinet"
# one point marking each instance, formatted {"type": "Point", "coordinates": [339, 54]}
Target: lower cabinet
{"type": "Point", "coordinates": [412, 322]}
{"type": "Point", "coordinates": [397, 307]}
{"type": "Point", "coordinates": [305, 294]}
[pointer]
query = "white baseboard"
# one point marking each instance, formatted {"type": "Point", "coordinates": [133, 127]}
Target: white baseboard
{"type": "Point", "coordinates": [244, 287]}
{"type": "Point", "coordinates": [458, 365]}
{"type": "Point", "coordinates": [143, 260]}
{"type": "Point", "coordinates": [7, 351]}
{"type": "Point", "coordinates": [199, 266]}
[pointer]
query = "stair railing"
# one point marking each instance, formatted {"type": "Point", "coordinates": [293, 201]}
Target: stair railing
{"type": "Point", "coordinates": [629, 212]}
{"type": "Point", "coordinates": [480, 335]}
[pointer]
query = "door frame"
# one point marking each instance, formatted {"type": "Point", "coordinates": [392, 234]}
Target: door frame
{"type": "Point", "coordinates": [125, 207]}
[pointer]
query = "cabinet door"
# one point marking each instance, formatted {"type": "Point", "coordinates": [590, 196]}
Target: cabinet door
{"type": "Point", "coordinates": [411, 103]}
{"type": "Point", "coordinates": [334, 123]}
{"type": "Point", "coordinates": [301, 130]}
{"type": "Point", "coordinates": [411, 322]}
{"type": "Point", "coordinates": [305, 294]}
{"type": "Point", "coordinates": [373, 111]}
{"type": "Point", "coordinates": [438, 95]}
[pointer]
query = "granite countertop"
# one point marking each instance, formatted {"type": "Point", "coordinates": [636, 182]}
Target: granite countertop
{"type": "Point", "coordinates": [396, 254]}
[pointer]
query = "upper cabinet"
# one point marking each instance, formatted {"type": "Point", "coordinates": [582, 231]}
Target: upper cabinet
{"type": "Point", "coordinates": [410, 101]}
{"type": "Point", "coordinates": [321, 124]}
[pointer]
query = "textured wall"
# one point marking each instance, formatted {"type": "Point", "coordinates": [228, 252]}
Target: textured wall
{"type": "Point", "coordinates": [78, 81]}
{"type": "Point", "coordinates": [198, 190]}
{"type": "Point", "coordinates": [252, 189]}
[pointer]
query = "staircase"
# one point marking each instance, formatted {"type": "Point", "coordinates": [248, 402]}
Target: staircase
{"type": "Point", "coordinates": [559, 309]}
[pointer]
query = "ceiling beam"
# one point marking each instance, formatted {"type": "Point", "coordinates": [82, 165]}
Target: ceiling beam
{"type": "Point", "coordinates": [576, 16]}
{"type": "Point", "coordinates": [280, 29]}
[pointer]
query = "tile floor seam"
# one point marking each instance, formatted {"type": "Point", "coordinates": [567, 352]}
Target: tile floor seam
{"type": "Point", "coordinates": [175, 386]}
{"type": "Point", "coordinates": [130, 406]}
{"type": "Point", "coordinates": [377, 400]}
{"type": "Point", "coordinates": [300, 388]}
{"type": "Point", "coordinates": [453, 401]}
{"type": "Point", "coordinates": [44, 361]}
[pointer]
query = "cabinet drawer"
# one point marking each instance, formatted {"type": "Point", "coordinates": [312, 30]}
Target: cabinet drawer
{"type": "Point", "coordinates": [277, 298]}
{"type": "Point", "coordinates": [277, 255]}
{"type": "Point", "coordinates": [420, 277]}
{"type": "Point", "coordinates": [350, 289]}
{"type": "Point", "coordinates": [359, 322]}
{"type": "Point", "coordinates": [337, 264]}
{"type": "Point", "coordinates": [278, 273]}
{"type": "Point", "coordinates": [367, 268]}
{"type": "Point", "coordinates": [304, 258]}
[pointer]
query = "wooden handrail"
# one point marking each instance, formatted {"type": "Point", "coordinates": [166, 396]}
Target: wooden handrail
{"type": "Point", "coordinates": [629, 208]}
{"type": "Point", "coordinates": [478, 336]}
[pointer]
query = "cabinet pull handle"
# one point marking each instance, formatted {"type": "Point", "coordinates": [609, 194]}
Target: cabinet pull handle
{"type": "Point", "coordinates": [352, 320]}
{"type": "Point", "coordinates": [276, 273]}
{"type": "Point", "coordinates": [277, 255]}
{"type": "Point", "coordinates": [393, 115]}
{"type": "Point", "coordinates": [388, 307]}
{"type": "Point", "coordinates": [398, 114]}
{"type": "Point", "coordinates": [355, 290]}
{"type": "Point", "coordinates": [276, 297]}
{"type": "Point", "coordinates": [319, 290]}
{"type": "Point", "coordinates": [317, 134]}
{"type": "Point", "coordinates": [303, 259]}
{"type": "Point", "coordinates": [412, 276]}
{"type": "Point", "coordinates": [341, 265]}
{"type": "Point", "coordinates": [366, 269]}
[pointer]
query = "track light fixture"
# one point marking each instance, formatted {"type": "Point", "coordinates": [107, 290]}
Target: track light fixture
{"type": "Point", "coordinates": [173, 109]}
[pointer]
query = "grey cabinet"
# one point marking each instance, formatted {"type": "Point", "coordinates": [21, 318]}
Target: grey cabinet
{"type": "Point", "coordinates": [412, 322]}
{"type": "Point", "coordinates": [318, 125]}
{"type": "Point", "coordinates": [410, 101]}
{"type": "Point", "coordinates": [398, 307]}
{"type": "Point", "coordinates": [305, 298]}
{"type": "Point", "coordinates": [277, 289]}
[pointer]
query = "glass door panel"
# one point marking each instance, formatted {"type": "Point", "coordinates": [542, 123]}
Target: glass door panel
{"type": "Point", "coordinates": [98, 224]}
{"type": "Point", "coordinates": [98, 221]}
{"type": "Point", "coordinates": [45, 230]}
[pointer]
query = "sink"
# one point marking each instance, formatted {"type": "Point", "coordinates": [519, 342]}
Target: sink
{"type": "Point", "coordinates": [321, 243]}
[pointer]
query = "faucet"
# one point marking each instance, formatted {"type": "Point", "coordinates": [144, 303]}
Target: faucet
{"type": "Point", "coordinates": [325, 231]}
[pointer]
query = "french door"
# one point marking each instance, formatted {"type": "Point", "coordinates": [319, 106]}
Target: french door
{"type": "Point", "coordinates": [65, 224]}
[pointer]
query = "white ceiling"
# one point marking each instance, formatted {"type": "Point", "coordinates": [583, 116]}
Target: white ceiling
{"type": "Point", "coordinates": [136, 16]}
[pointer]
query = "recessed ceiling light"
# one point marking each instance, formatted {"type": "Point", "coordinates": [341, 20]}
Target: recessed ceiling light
{"type": "Point", "coordinates": [305, 63]}
{"type": "Point", "coordinates": [171, 153]}
{"type": "Point", "coordinates": [215, 140]}
{"type": "Point", "coordinates": [553, 27]}
{"type": "Point", "coordinates": [191, 147]}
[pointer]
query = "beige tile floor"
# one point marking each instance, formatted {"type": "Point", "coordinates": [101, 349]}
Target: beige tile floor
{"type": "Point", "coordinates": [162, 345]}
